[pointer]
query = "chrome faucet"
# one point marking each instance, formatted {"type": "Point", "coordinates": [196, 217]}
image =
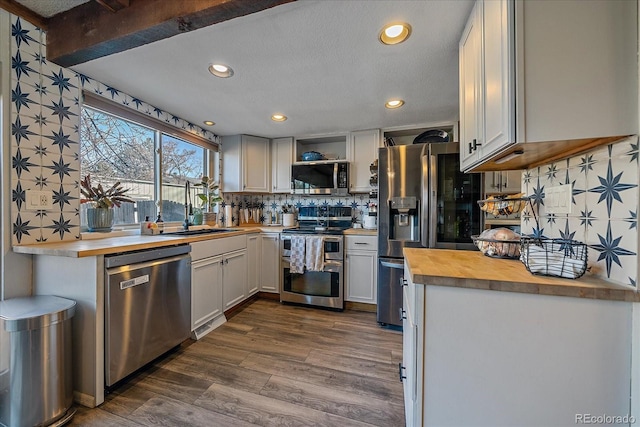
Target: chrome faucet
{"type": "Point", "coordinates": [188, 207]}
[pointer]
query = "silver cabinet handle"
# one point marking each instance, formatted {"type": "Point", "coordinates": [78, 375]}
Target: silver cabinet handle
{"type": "Point", "coordinates": [399, 266]}
{"type": "Point", "coordinates": [402, 313]}
{"type": "Point", "coordinates": [360, 243]}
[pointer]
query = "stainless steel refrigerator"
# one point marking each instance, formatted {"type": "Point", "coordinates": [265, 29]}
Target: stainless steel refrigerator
{"type": "Point", "coordinates": [424, 201]}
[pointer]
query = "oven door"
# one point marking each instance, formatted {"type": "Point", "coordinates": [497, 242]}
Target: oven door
{"type": "Point", "coordinates": [333, 250]}
{"type": "Point", "coordinates": [318, 288]}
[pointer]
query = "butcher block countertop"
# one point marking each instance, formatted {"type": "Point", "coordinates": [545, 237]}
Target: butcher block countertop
{"type": "Point", "coordinates": [112, 245]}
{"type": "Point", "coordinates": [472, 269]}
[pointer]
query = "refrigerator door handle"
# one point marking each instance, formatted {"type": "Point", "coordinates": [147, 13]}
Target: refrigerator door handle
{"type": "Point", "coordinates": [433, 197]}
{"type": "Point", "coordinates": [425, 211]}
{"type": "Point", "coordinates": [389, 264]}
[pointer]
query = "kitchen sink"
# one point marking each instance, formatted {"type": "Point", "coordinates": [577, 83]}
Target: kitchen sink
{"type": "Point", "coordinates": [196, 232]}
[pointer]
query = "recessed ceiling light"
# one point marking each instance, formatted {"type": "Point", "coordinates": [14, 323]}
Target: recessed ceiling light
{"type": "Point", "coordinates": [278, 117]}
{"type": "Point", "coordinates": [394, 103]}
{"type": "Point", "coordinates": [208, 123]}
{"type": "Point", "coordinates": [395, 33]}
{"type": "Point", "coordinates": [220, 70]}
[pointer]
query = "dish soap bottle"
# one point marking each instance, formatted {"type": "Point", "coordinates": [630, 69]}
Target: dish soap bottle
{"type": "Point", "coordinates": [160, 224]}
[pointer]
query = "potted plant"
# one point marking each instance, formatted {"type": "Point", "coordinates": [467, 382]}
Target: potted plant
{"type": "Point", "coordinates": [101, 202]}
{"type": "Point", "coordinates": [208, 199]}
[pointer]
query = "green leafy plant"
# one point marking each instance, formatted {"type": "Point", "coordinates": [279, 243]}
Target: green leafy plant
{"type": "Point", "coordinates": [211, 194]}
{"type": "Point", "coordinates": [101, 198]}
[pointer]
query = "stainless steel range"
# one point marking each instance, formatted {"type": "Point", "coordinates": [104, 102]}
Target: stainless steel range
{"type": "Point", "coordinates": [312, 258]}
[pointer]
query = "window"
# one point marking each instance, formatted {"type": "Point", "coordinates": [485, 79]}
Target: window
{"type": "Point", "coordinates": [117, 145]}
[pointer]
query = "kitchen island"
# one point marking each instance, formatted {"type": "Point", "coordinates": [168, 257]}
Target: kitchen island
{"type": "Point", "coordinates": [488, 343]}
{"type": "Point", "coordinates": [76, 270]}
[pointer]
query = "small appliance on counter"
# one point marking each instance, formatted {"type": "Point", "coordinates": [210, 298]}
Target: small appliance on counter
{"type": "Point", "coordinates": [370, 221]}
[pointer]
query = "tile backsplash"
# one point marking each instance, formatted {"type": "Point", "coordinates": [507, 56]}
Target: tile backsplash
{"type": "Point", "coordinates": [604, 208]}
{"type": "Point", "coordinates": [45, 142]}
{"type": "Point", "coordinates": [273, 202]}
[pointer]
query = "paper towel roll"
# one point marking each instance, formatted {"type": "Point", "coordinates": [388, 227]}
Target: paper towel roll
{"type": "Point", "coordinates": [228, 216]}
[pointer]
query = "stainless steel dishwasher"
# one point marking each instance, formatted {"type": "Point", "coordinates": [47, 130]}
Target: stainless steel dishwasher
{"type": "Point", "coordinates": [147, 307]}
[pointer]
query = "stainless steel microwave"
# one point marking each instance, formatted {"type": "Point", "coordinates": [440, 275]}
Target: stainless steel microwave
{"type": "Point", "coordinates": [320, 177]}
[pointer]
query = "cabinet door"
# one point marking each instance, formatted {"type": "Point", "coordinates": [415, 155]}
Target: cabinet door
{"type": "Point", "coordinates": [232, 164]}
{"type": "Point", "coordinates": [256, 164]}
{"type": "Point", "coordinates": [409, 361]}
{"type": "Point", "coordinates": [234, 278]}
{"type": "Point", "coordinates": [363, 150]}
{"type": "Point", "coordinates": [511, 181]}
{"type": "Point", "coordinates": [206, 290]}
{"type": "Point", "coordinates": [498, 97]}
{"type": "Point", "coordinates": [281, 159]}
{"type": "Point", "coordinates": [253, 264]}
{"type": "Point", "coordinates": [470, 88]}
{"type": "Point", "coordinates": [362, 273]}
{"type": "Point", "coordinates": [270, 263]}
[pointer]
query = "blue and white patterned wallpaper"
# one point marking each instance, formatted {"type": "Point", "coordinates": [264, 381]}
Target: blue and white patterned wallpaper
{"type": "Point", "coordinates": [604, 207]}
{"type": "Point", "coordinates": [45, 116]}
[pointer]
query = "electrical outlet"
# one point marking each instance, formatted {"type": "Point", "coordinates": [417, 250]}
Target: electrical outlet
{"type": "Point", "coordinates": [557, 199]}
{"type": "Point", "coordinates": [39, 200]}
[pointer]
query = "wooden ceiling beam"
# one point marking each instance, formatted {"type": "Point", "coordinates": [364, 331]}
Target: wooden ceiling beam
{"type": "Point", "coordinates": [91, 31]}
{"type": "Point", "coordinates": [114, 5]}
{"type": "Point", "coordinates": [19, 10]}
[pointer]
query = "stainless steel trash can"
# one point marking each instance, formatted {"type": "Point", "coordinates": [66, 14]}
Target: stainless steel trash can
{"type": "Point", "coordinates": [36, 386]}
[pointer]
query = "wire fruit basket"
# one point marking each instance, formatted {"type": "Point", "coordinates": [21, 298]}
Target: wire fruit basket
{"type": "Point", "coordinates": [494, 248]}
{"type": "Point", "coordinates": [554, 257]}
{"type": "Point", "coordinates": [504, 205]}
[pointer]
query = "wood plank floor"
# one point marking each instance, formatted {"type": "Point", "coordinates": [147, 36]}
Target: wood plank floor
{"type": "Point", "coordinates": [269, 365]}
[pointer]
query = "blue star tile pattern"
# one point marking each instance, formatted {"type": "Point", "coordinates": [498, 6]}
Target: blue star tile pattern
{"type": "Point", "coordinates": [586, 163]}
{"type": "Point", "coordinates": [20, 98]}
{"type": "Point", "coordinates": [113, 92]}
{"type": "Point", "coordinates": [538, 194]}
{"type": "Point", "coordinates": [22, 228]}
{"type": "Point", "coordinates": [62, 197]}
{"type": "Point", "coordinates": [61, 226]}
{"type": "Point", "coordinates": [21, 34]}
{"type": "Point", "coordinates": [20, 131]}
{"type": "Point", "coordinates": [587, 218]}
{"type": "Point", "coordinates": [158, 112]}
{"type": "Point", "coordinates": [632, 219]}
{"type": "Point", "coordinates": [19, 196]}
{"type": "Point", "coordinates": [61, 168]}
{"type": "Point", "coordinates": [354, 205]}
{"type": "Point", "coordinates": [21, 164]}
{"type": "Point", "coordinates": [610, 249]}
{"type": "Point", "coordinates": [60, 110]}
{"type": "Point", "coordinates": [526, 178]}
{"type": "Point", "coordinates": [83, 79]}
{"type": "Point", "coordinates": [20, 66]}
{"type": "Point", "coordinates": [63, 83]}
{"type": "Point", "coordinates": [633, 152]}
{"type": "Point", "coordinates": [610, 188]}
{"type": "Point", "coordinates": [60, 139]}
{"type": "Point", "coordinates": [552, 171]}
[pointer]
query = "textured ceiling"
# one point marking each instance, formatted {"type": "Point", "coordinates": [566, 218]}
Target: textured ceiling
{"type": "Point", "coordinates": [48, 8]}
{"type": "Point", "coordinates": [318, 62]}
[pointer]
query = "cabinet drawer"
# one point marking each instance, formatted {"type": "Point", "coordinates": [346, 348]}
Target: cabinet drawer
{"type": "Point", "coordinates": [362, 243]}
{"type": "Point", "coordinates": [213, 247]}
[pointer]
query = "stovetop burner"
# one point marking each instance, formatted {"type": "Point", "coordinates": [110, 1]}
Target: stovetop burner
{"type": "Point", "coordinates": [322, 220]}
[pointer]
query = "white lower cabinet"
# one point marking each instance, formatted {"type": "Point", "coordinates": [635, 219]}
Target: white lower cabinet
{"type": "Point", "coordinates": [361, 269]}
{"type": "Point", "coordinates": [270, 262]}
{"type": "Point", "coordinates": [234, 278]}
{"type": "Point", "coordinates": [218, 281]}
{"type": "Point", "coordinates": [206, 290]}
{"type": "Point", "coordinates": [253, 263]}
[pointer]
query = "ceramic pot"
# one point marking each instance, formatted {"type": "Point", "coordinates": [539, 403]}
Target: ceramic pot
{"type": "Point", "coordinates": [99, 219]}
{"type": "Point", "coordinates": [288, 220]}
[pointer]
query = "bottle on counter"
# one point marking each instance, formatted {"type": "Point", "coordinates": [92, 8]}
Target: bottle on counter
{"type": "Point", "coordinates": [160, 223]}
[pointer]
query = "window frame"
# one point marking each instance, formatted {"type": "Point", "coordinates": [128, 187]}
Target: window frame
{"type": "Point", "coordinates": [159, 128]}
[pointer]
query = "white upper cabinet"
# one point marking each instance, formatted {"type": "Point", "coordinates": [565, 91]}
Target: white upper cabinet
{"type": "Point", "coordinates": [470, 87]}
{"type": "Point", "coordinates": [246, 164]}
{"type": "Point", "coordinates": [541, 80]}
{"type": "Point", "coordinates": [281, 159]}
{"type": "Point", "coordinates": [362, 150]}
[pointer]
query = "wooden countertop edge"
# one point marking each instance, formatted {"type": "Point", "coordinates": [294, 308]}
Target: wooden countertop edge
{"type": "Point", "coordinates": [588, 287]}
{"type": "Point", "coordinates": [111, 245]}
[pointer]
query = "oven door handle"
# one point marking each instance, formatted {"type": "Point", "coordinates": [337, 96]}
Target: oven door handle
{"type": "Point", "coordinates": [393, 264]}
